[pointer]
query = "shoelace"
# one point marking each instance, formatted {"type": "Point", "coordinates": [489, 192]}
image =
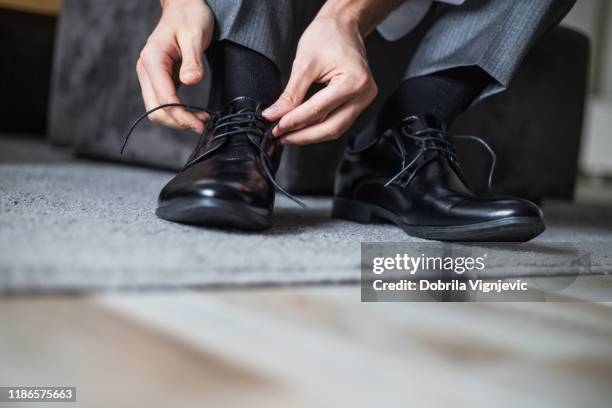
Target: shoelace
{"type": "Point", "coordinates": [431, 140]}
{"type": "Point", "coordinates": [241, 123]}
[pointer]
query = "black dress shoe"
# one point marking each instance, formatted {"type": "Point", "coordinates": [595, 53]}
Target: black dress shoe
{"type": "Point", "coordinates": [410, 176]}
{"type": "Point", "coordinates": [228, 180]}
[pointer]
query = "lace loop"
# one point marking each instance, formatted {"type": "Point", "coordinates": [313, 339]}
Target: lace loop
{"type": "Point", "coordinates": [164, 106]}
{"type": "Point", "coordinates": [489, 150]}
{"type": "Point", "coordinates": [434, 140]}
{"type": "Point", "coordinates": [244, 122]}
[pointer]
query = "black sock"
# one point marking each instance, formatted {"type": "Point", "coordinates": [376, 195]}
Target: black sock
{"type": "Point", "coordinates": [443, 94]}
{"type": "Point", "coordinates": [240, 71]}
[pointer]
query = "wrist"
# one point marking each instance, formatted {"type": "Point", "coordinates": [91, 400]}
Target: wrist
{"type": "Point", "coordinates": [363, 15]}
{"type": "Point", "coordinates": [348, 13]}
{"type": "Point", "coordinates": [165, 3]}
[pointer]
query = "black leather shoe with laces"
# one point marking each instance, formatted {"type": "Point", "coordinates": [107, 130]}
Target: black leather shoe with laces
{"type": "Point", "coordinates": [228, 181]}
{"type": "Point", "coordinates": [410, 176]}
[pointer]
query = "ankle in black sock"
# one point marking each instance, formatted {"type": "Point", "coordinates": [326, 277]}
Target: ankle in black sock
{"type": "Point", "coordinates": [443, 94]}
{"type": "Point", "coordinates": [240, 71]}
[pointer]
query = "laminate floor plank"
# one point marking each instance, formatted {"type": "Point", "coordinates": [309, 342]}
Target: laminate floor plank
{"type": "Point", "coordinates": [310, 346]}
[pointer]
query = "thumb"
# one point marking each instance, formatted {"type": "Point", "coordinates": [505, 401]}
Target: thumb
{"type": "Point", "coordinates": [192, 66]}
{"type": "Point", "coordinates": [293, 95]}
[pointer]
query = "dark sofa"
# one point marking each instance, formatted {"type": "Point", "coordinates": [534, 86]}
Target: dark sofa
{"type": "Point", "coordinates": [534, 127]}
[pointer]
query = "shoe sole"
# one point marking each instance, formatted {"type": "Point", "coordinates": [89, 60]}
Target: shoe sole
{"type": "Point", "coordinates": [510, 229]}
{"type": "Point", "coordinates": [215, 213]}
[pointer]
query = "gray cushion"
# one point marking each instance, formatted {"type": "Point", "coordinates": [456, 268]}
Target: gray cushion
{"type": "Point", "coordinates": [95, 89]}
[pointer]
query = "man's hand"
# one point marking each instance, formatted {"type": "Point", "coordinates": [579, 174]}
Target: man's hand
{"type": "Point", "coordinates": [173, 56]}
{"type": "Point", "coordinates": [331, 51]}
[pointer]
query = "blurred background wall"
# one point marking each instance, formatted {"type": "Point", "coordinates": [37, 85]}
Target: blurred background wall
{"type": "Point", "coordinates": [27, 34]}
{"type": "Point", "coordinates": [594, 17]}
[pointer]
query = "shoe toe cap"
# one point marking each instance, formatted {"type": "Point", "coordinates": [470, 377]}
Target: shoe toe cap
{"type": "Point", "coordinates": [498, 208]}
{"type": "Point", "coordinates": [213, 190]}
{"type": "Point", "coordinates": [514, 207]}
{"type": "Point", "coordinates": [481, 209]}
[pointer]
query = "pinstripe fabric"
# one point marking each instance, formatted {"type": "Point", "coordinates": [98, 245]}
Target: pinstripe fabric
{"type": "Point", "coordinates": [492, 34]}
{"type": "Point", "coordinates": [270, 27]}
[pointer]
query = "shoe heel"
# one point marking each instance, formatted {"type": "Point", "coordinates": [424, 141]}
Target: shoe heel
{"type": "Point", "coordinates": [351, 210]}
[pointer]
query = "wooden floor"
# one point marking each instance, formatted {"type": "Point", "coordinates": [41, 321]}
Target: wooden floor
{"type": "Point", "coordinates": [48, 7]}
{"type": "Point", "coordinates": [314, 346]}
{"type": "Point", "coordinates": [307, 347]}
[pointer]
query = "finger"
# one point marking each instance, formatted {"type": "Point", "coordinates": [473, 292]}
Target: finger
{"type": "Point", "coordinates": [192, 66]}
{"type": "Point", "coordinates": [316, 108]}
{"type": "Point", "coordinates": [150, 99]}
{"type": "Point", "coordinates": [332, 128]}
{"type": "Point", "coordinates": [163, 86]}
{"type": "Point", "coordinates": [203, 116]}
{"type": "Point", "coordinates": [300, 81]}
{"type": "Point", "coordinates": [159, 70]}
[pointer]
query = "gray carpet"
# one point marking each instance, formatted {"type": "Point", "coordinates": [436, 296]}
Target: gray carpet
{"type": "Point", "coordinates": [71, 224]}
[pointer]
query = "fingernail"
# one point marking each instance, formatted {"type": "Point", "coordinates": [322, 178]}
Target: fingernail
{"type": "Point", "coordinates": [272, 110]}
{"type": "Point", "coordinates": [276, 132]}
{"type": "Point", "coordinates": [285, 141]}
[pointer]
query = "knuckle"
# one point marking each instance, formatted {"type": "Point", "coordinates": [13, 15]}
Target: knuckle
{"type": "Point", "coordinates": [146, 55]}
{"type": "Point", "coordinates": [290, 124]}
{"type": "Point", "coordinates": [288, 99]}
{"type": "Point", "coordinates": [372, 92]}
{"type": "Point", "coordinates": [316, 111]}
{"type": "Point", "coordinates": [374, 89]}
{"type": "Point", "coordinates": [156, 117]}
{"type": "Point", "coordinates": [332, 133]}
{"type": "Point", "coordinates": [360, 81]}
{"type": "Point", "coordinates": [166, 99]}
{"type": "Point", "coordinates": [151, 52]}
{"type": "Point", "coordinates": [183, 125]}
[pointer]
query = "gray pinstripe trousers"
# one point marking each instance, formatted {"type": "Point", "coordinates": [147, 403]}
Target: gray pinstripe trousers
{"type": "Point", "coordinates": [494, 35]}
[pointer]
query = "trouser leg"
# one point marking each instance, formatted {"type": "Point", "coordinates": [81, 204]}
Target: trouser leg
{"type": "Point", "coordinates": [274, 27]}
{"type": "Point", "coordinates": [457, 57]}
{"type": "Point", "coordinates": [494, 35]}
{"type": "Point", "coordinates": [269, 27]}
